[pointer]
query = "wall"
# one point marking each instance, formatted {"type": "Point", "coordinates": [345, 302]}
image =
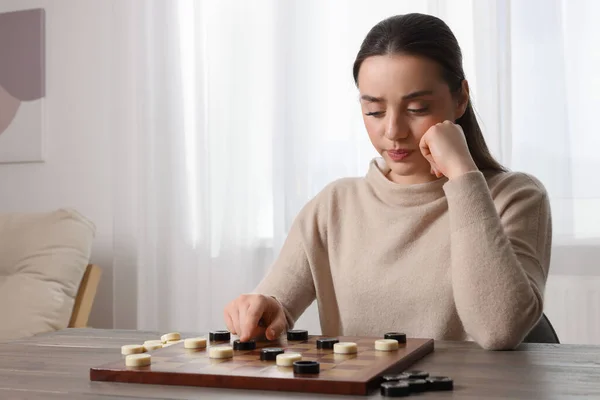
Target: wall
{"type": "Point", "coordinates": [77, 171]}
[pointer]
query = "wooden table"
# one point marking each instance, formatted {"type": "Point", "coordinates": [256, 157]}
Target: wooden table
{"type": "Point", "coordinates": [56, 366]}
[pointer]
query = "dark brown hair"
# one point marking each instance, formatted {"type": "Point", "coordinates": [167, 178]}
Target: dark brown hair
{"type": "Point", "coordinates": [430, 37]}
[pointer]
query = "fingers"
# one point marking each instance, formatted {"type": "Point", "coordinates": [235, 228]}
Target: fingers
{"type": "Point", "coordinates": [277, 322]}
{"type": "Point", "coordinates": [277, 327]}
{"type": "Point", "coordinates": [235, 316]}
{"type": "Point", "coordinates": [230, 315]}
{"type": "Point", "coordinates": [424, 147]}
{"type": "Point", "coordinates": [249, 319]}
{"type": "Point", "coordinates": [228, 321]}
{"type": "Point", "coordinates": [251, 316]}
{"type": "Point", "coordinates": [435, 170]}
{"type": "Point", "coordinates": [426, 151]}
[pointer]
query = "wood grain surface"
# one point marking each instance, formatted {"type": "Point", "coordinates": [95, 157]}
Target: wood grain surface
{"type": "Point", "coordinates": [57, 365]}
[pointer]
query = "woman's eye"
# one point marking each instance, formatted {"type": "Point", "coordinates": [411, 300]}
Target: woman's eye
{"type": "Point", "coordinates": [418, 110]}
{"type": "Point", "coordinates": [374, 113]}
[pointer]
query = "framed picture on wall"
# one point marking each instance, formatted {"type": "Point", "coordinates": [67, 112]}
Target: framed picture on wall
{"type": "Point", "coordinates": [22, 86]}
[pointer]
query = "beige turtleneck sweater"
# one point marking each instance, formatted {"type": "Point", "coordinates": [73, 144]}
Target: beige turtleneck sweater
{"type": "Point", "coordinates": [465, 259]}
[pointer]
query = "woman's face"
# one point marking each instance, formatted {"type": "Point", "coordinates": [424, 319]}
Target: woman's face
{"type": "Point", "coordinates": [401, 97]}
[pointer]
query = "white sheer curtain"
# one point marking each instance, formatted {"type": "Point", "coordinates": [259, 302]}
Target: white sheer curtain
{"type": "Point", "coordinates": [554, 101]}
{"type": "Point", "coordinates": [238, 112]}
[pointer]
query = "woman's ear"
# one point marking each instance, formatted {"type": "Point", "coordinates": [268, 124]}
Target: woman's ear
{"type": "Point", "coordinates": [462, 100]}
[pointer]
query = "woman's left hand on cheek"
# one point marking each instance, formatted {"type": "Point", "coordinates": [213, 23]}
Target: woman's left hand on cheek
{"type": "Point", "coordinates": [445, 147]}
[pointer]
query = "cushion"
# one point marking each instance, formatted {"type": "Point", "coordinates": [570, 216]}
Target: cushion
{"type": "Point", "coordinates": [43, 257]}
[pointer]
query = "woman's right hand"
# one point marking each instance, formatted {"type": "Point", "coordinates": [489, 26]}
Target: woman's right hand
{"type": "Point", "coordinates": [253, 315]}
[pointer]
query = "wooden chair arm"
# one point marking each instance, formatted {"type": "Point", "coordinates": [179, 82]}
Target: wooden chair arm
{"type": "Point", "coordinates": [85, 297]}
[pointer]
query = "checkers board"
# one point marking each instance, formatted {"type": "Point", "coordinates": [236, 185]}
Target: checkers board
{"type": "Point", "coordinates": [350, 374]}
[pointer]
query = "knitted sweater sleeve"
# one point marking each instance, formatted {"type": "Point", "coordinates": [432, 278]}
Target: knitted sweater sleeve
{"type": "Point", "coordinates": [290, 278]}
{"type": "Point", "coordinates": [500, 243]}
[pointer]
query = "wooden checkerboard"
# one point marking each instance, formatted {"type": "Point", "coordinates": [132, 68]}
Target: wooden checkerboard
{"type": "Point", "coordinates": [339, 374]}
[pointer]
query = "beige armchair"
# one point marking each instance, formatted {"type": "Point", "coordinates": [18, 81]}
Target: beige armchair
{"type": "Point", "coordinates": [46, 280]}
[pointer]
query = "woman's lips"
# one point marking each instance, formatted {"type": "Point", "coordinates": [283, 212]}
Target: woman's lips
{"type": "Point", "coordinates": [398, 155]}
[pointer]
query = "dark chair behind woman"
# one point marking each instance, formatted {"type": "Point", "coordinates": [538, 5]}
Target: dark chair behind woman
{"type": "Point", "coordinates": [543, 332]}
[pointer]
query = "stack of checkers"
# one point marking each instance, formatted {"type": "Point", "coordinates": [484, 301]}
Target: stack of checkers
{"type": "Point", "coordinates": [409, 382]}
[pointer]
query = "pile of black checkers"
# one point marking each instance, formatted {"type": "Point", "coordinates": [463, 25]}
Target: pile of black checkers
{"type": "Point", "coordinates": [409, 382]}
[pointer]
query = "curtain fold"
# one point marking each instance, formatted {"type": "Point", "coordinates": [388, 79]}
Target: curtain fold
{"type": "Point", "coordinates": [236, 113]}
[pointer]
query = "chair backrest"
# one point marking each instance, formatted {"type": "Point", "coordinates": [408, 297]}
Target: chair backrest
{"type": "Point", "coordinates": [43, 258]}
{"type": "Point", "coordinates": [543, 332]}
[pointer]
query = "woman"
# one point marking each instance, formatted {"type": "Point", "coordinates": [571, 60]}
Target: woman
{"type": "Point", "coordinates": [438, 240]}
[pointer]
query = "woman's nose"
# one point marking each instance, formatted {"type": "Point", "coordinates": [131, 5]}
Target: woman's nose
{"type": "Point", "coordinates": [396, 128]}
